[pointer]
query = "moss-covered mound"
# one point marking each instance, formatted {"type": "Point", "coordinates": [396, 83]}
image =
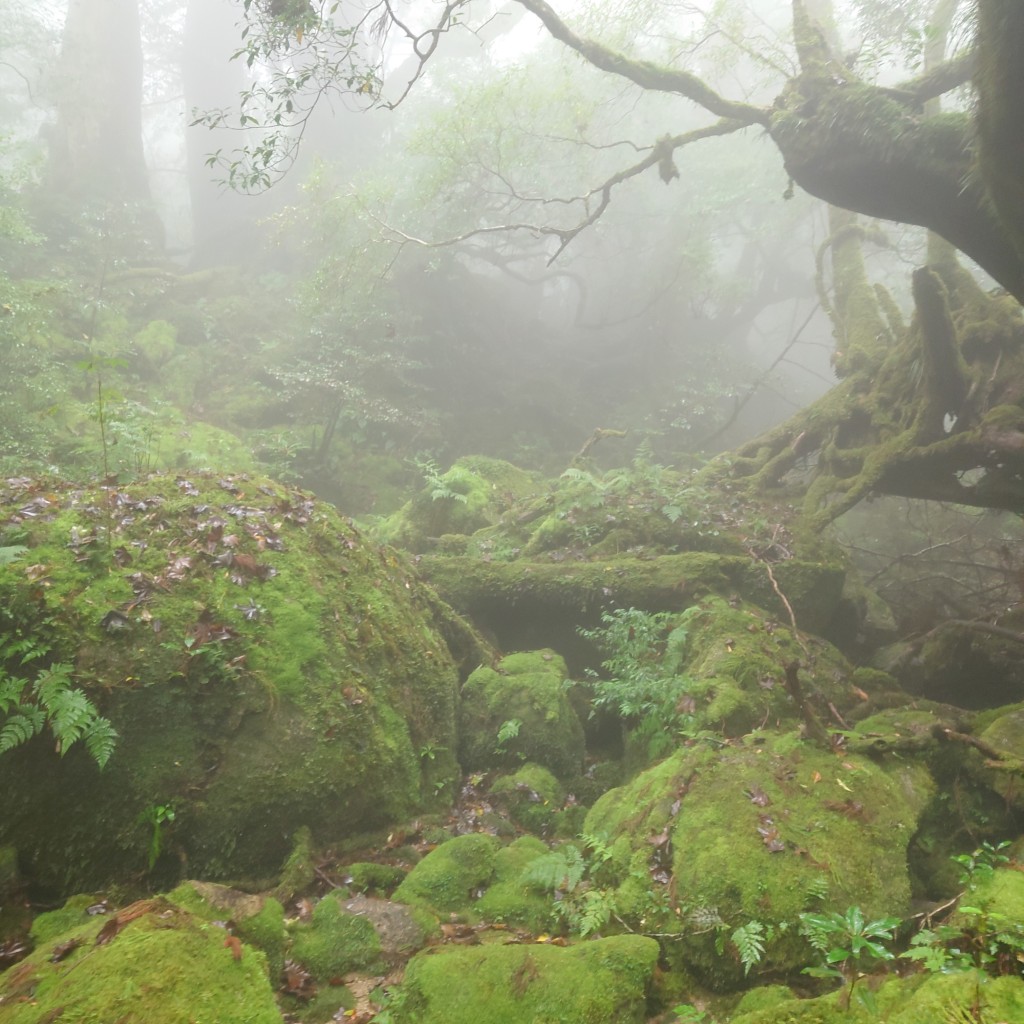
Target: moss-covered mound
{"type": "Point", "coordinates": [921, 999]}
{"type": "Point", "coordinates": [264, 667]}
{"type": "Point", "coordinates": [759, 830]}
{"type": "Point", "coordinates": [150, 963]}
{"type": "Point", "coordinates": [602, 982]}
{"type": "Point", "coordinates": [452, 875]}
{"type": "Point", "coordinates": [519, 711]}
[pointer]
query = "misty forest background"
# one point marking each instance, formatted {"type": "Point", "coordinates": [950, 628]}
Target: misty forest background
{"type": "Point", "coordinates": [186, 288]}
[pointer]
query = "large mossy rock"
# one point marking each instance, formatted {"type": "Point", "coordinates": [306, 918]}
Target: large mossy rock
{"type": "Point", "coordinates": [919, 999]}
{"type": "Point", "coordinates": [264, 666]}
{"type": "Point", "coordinates": [600, 982]}
{"type": "Point", "coordinates": [759, 830]}
{"type": "Point", "coordinates": [151, 963]}
{"type": "Point", "coordinates": [528, 688]}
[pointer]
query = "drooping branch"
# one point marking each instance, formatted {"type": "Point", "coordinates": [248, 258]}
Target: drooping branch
{"type": "Point", "coordinates": [644, 73]}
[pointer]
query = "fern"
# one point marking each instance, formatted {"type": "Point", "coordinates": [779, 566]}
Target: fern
{"type": "Point", "coordinates": [561, 869]}
{"type": "Point", "coordinates": [594, 911]}
{"type": "Point", "coordinates": [11, 689]}
{"type": "Point", "coordinates": [100, 738]}
{"type": "Point", "coordinates": [749, 941]}
{"type": "Point", "coordinates": [53, 702]}
{"type": "Point", "coordinates": [20, 728]}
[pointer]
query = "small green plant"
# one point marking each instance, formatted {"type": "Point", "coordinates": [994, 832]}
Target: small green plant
{"type": "Point", "coordinates": [440, 484]}
{"type": "Point", "coordinates": [687, 1013]}
{"type": "Point", "coordinates": [156, 816]}
{"type": "Point", "coordinates": [749, 940]}
{"type": "Point", "coordinates": [849, 945]}
{"type": "Point", "coordinates": [51, 701]}
{"type": "Point", "coordinates": [983, 942]}
{"type": "Point", "coordinates": [507, 732]}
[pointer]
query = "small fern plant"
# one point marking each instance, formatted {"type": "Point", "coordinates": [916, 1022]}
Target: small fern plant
{"type": "Point", "coordinates": [26, 709]}
{"type": "Point", "coordinates": [749, 940]}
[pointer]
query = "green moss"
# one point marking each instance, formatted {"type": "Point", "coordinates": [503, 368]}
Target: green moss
{"type": "Point", "coordinates": [267, 665]}
{"type": "Point", "coordinates": [257, 920]}
{"type": "Point", "coordinates": [297, 872]}
{"type": "Point", "coordinates": [664, 583]}
{"type": "Point", "coordinates": [507, 900]}
{"type": "Point", "coordinates": [533, 798]}
{"type": "Point", "coordinates": [447, 879]}
{"type": "Point", "coordinates": [601, 982]}
{"type": "Point", "coordinates": [366, 876]}
{"type": "Point", "coordinates": [527, 688]}
{"type": "Point", "coordinates": [335, 942]}
{"type": "Point", "coordinates": [47, 926]}
{"type": "Point", "coordinates": [163, 967]}
{"type": "Point", "coordinates": [919, 999]}
{"type": "Point", "coordinates": [761, 832]}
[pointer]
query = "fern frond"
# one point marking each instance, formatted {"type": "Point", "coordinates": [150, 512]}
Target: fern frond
{"type": "Point", "coordinates": [560, 869]}
{"type": "Point", "coordinates": [20, 728]}
{"type": "Point", "coordinates": [70, 714]}
{"type": "Point", "coordinates": [50, 684]}
{"type": "Point", "coordinates": [749, 941]}
{"type": "Point", "coordinates": [11, 689]}
{"type": "Point", "coordinates": [100, 738]}
{"type": "Point", "coordinates": [596, 912]}
{"type": "Point", "coordinates": [12, 551]}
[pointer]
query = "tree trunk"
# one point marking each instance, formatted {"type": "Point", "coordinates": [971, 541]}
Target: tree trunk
{"type": "Point", "coordinates": [96, 148]}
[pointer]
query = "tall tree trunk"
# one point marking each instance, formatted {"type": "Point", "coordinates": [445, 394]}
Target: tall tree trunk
{"type": "Point", "coordinates": [96, 148]}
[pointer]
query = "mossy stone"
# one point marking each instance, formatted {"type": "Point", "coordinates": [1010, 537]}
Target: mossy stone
{"type": "Point", "coordinates": [162, 966]}
{"type": "Point", "coordinates": [528, 688]}
{"type": "Point", "coordinates": [448, 879]}
{"type": "Point", "coordinates": [507, 899]}
{"type": "Point", "coordinates": [600, 982]}
{"type": "Point", "coordinates": [761, 831]}
{"type": "Point", "coordinates": [266, 668]}
{"type": "Point", "coordinates": [533, 798]}
{"type": "Point", "coordinates": [335, 942]}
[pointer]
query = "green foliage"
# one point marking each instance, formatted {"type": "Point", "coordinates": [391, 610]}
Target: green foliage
{"type": "Point", "coordinates": [156, 816]}
{"type": "Point", "coordinates": [749, 940]}
{"type": "Point", "coordinates": [848, 945]}
{"type": "Point", "coordinates": [52, 701]}
{"type": "Point", "coordinates": [980, 939]}
{"type": "Point", "coordinates": [580, 901]}
{"type": "Point", "coordinates": [508, 730]}
{"type": "Point", "coordinates": [644, 685]}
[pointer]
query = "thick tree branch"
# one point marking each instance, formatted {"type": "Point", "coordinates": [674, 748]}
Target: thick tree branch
{"type": "Point", "coordinates": [942, 79]}
{"type": "Point", "coordinates": [644, 73]}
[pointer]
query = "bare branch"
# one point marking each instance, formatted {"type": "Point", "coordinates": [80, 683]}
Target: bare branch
{"type": "Point", "coordinates": [565, 235]}
{"type": "Point", "coordinates": [645, 74]}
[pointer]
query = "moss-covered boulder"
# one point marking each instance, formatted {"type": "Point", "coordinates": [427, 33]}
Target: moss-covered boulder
{"type": "Point", "coordinates": [508, 899]}
{"type": "Point", "coordinates": [255, 919]}
{"type": "Point", "coordinates": [758, 830]}
{"type": "Point", "coordinates": [534, 799]}
{"type": "Point", "coordinates": [150, 963]}
{"type": "Point", "coordinates": [452, 875]}
{"type": "Point", "coordinates": [335, 941]}
{"type": "Point", "coordinates": [519, 711]}
{"type": "Point", "coordinates": [919, 999]}
{"type": "Point", "coordinates": [470, 496]}
{"type": "Point", "coordinates": [601, 982]}
{"type": "Point", "coordinates": [264, 666]}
